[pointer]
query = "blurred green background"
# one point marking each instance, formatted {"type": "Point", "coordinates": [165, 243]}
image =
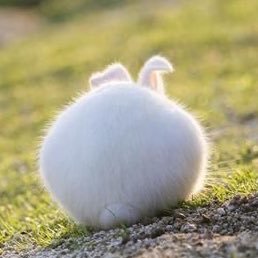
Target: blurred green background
{"type": "Point", "coordinates": [48, 49]}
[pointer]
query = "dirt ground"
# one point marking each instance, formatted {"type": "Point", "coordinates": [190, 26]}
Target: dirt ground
{"type": "Point", "coordinates": [214, 231]}
{"type": "Point", "coordinates": [193, 245]}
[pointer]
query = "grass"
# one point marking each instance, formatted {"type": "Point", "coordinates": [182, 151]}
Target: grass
{"type": "Point", "coordinates": [213, 45]}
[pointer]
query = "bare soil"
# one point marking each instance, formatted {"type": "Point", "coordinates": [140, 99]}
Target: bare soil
{"type": "Point", "coordinates": [216, 230]}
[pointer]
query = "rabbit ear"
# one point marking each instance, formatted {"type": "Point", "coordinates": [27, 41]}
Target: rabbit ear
{"type": "Point", "coordinates": [150, 73]}
{"type": "Point", "coordinates": [114, 72]}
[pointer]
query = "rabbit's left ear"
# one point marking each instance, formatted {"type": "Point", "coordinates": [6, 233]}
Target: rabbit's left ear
{"type": "Point", "coordinates": [150, 74]}
{"type": "Point", "coordinates": [114, 72]}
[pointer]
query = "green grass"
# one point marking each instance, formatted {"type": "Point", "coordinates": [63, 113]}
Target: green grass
{"type": "Point", "coordinates": [213, 45]}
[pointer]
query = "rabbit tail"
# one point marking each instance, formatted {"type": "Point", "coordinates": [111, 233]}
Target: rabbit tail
{"type": "Point", "coordinates": [118, 214]}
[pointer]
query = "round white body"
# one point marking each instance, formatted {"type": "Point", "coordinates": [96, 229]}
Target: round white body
{"type": "Point", "coordinates": [122, 152]}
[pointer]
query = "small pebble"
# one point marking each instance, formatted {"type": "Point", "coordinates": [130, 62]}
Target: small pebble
{"type": "Point", "coordinates": [221, 211]}
{"type": "Point", "coordinates": [188, 227]}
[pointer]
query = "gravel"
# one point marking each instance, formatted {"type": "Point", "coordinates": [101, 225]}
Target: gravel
{"type": "Point", "coordinates": [227, 230]}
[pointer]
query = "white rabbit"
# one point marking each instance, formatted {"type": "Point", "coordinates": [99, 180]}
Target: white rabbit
{"type": "Point", "coordinates": [123, 150]}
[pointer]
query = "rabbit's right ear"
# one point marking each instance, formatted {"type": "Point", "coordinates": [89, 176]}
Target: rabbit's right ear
{"type": "Point", "coordinates": [114, 72]}
{"type": "Point", "coordinates": [150, 74]}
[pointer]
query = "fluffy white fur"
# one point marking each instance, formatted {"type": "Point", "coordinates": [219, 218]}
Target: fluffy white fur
{"type": "Point", "coordinates": [150, 74]}
{"type": "Point", "coordinates": [123, 151]}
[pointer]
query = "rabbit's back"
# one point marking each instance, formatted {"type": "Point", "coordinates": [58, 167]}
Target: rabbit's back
{"type": "Point", "coordinates": [122, 144]}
